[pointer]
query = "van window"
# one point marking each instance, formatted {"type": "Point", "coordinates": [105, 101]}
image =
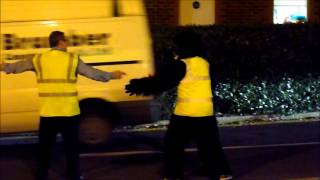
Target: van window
{"type": "Point", "coordinates": [290, 11]}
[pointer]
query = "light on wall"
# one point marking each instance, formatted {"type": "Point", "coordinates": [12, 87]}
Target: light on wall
{"type": "Point", "coordinates": [196, 4]}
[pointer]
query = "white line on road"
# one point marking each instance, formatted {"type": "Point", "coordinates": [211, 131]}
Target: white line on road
{"type": "Point", "coordinates": [272, 145]}
{"type": "Point", "coordinates": [306, 178]}
{"type": "Point", "coordinates": [127, 153]}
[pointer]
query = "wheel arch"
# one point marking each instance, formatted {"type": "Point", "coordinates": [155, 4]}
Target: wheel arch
{"type": "Point", "coordinates": [101, 107]}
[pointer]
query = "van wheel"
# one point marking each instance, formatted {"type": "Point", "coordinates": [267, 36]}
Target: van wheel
{"type": "Point", "coordinates": [94, 129]}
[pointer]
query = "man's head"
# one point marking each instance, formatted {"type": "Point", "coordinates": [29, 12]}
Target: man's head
{"type": "Point", "coordinates": [188, 44]}
{"type": "Point", "coordinates": [57, 40]}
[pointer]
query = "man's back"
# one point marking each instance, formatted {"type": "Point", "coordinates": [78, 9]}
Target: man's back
{"type": "Point", "coordinates": [56, 75]}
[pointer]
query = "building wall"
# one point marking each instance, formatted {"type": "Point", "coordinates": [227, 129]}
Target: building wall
{"type": "Point", "coordinates": [163, 12]}
{"type": "Point", "coordinates": [166, 12]}
{"type": "Point", "coordinates": [314, 11]}
{"type": "Point", "coordinates": [244, 11]}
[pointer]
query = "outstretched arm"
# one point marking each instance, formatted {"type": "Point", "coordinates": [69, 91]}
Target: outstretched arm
{"type": "Point", "coordinates": [169, 77]}
{"type": "Point", "coordinates": [97, 74]}
{"type": "Point", "coordinates": [17, 67]}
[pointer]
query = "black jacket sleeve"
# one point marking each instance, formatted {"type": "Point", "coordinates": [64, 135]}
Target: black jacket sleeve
{"type": "Point", "coordinates": [167, 78]}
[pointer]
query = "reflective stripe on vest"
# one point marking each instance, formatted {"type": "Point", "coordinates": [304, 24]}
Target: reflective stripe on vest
{"type": "Point", "coordinates": [70, 66]}
{"type": "Point", "coordinates": [196, 78]}
{"type": "Point", "coordinates": [57, 81]}
{"type": "Point", "coordinates": [190, 100]}
{"type": "Point", "coordinates": [39, 66]}
{"type": "Point", "coordinates": [58, 94]}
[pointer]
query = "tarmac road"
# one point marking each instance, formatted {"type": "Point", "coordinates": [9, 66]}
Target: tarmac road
{"type": "Point", "coordinates": [285, 151]}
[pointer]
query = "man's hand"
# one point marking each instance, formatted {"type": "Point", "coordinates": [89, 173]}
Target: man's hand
{"type": "Point", "coordinates": [117, 74]}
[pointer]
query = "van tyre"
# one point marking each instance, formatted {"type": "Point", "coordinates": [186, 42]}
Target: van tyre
{"type": "Point", "coordinates": [98, 118]}
{"type": "Point", "coordinates": [94, 129]}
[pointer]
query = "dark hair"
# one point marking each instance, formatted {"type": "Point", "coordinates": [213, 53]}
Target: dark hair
{"type": "Point", "coordinates": [188, 44]}
{"type": "Point", "coordinates": [55, 37]}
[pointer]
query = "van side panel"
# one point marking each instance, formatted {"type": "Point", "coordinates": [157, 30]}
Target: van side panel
{"type": "Point", "coordinates": [18, 102]}
{"type": "Point", "coordinates": [120, 43]}
{"type": "Point", "coordinates": [37, 10]}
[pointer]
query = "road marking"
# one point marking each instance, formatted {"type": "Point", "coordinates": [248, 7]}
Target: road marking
{"type": "Point", "coordinates": [306, 178]}
{"type": "Point", "coordinates": [127, 153]}
{"type": "Point", "coordinates": [272, 145]}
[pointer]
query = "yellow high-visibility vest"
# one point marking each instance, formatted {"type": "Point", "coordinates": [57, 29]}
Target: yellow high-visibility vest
{"type": "Point", "coordinates": [56, 76]}
{"type": "Point", "coordinates": [194, 96]}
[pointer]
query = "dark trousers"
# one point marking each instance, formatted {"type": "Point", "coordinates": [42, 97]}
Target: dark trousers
{"type": "Point", "coordinates": [49, 128]}
{"type": "Point", "coordinates": [205, 132]}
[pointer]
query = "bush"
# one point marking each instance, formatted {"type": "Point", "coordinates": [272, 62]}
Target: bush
{"type": "Point", "coordinates": [255, 69]}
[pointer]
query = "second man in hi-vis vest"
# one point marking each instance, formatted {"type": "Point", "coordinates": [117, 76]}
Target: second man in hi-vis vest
{"type": "Point", "coordinates": [56, 72]}
{"type": "Point", "coordinates": [193, 116]}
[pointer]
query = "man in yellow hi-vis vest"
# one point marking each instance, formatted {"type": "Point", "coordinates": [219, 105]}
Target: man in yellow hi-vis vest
{"type": "Point", "coordinates": [193, 116]}
{"type": "Point", "coordinates": [56, 72]}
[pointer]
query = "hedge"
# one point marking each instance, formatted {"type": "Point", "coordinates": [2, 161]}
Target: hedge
{"type": "Point", "coordinates": [270, 69]}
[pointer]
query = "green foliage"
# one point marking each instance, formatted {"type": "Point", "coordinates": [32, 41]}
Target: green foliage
{"type": "Point", "coordinates": [287, 96]}
{"type": "Point", "coordinates": [255, 69]}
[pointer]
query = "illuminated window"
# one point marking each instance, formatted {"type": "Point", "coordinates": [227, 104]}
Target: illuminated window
{"type": "Point", "coordinates": [290, 11]}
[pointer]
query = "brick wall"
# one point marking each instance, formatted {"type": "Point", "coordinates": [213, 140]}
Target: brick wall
{"type": "Point", "coordinates": [314, 11]}
{"type": "Point", "coordinates": [166, 12]}
{"type": "Point", "coordinates": [162, 12]}
{"type": "Point", "coordinates": [244, 11]}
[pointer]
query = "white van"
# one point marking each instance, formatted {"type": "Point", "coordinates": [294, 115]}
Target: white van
{"type": "Point", "coordinates": [108, 34]}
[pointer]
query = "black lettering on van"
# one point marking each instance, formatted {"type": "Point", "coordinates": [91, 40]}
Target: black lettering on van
{"type": "Point", "coordinates": [12, 42]}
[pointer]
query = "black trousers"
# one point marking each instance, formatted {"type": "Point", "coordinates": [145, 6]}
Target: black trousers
{"type": "Point", "coordinates": [205, 132]}
{"type": "Point", "coordinates": [48, 130]}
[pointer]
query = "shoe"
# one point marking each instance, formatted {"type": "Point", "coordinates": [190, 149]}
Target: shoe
{"type": "Point", "coordinates": [226, 177]}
